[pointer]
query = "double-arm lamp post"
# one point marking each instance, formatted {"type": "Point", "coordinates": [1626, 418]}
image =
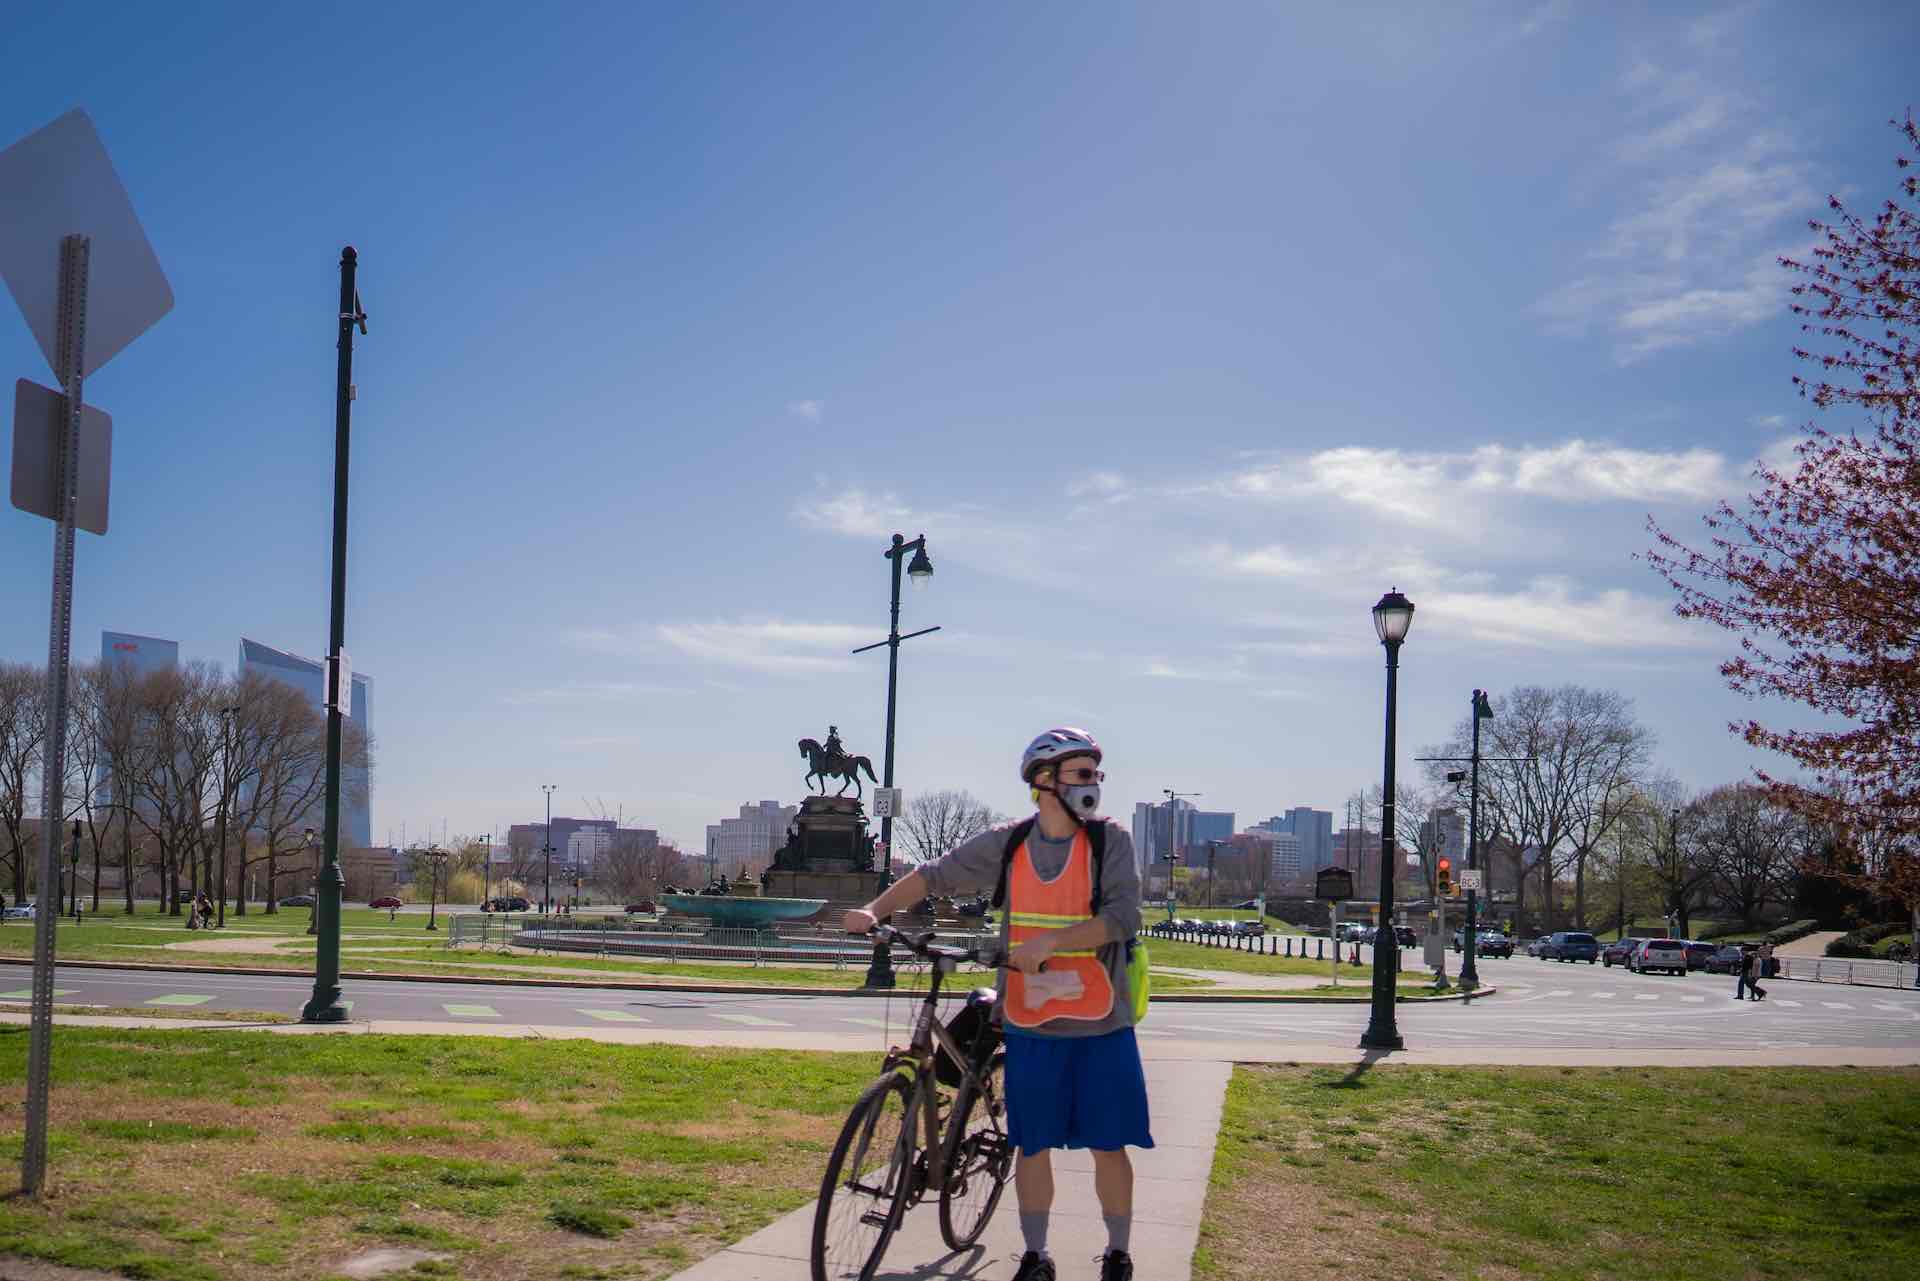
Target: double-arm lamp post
{"type": "Point", "coordinates": [1391, 619]}
{"type": "Point", "coordinates": [436, 859]}
{"type": "Point", "coordinates": [920, 570]}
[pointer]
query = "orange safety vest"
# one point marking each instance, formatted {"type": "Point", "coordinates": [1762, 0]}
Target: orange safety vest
{"type": "Point", "coordinates": [1074, 985]}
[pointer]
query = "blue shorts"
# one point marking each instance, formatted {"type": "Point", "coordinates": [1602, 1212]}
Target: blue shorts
{"type": "Point", "coordinates": [1076, 1092]}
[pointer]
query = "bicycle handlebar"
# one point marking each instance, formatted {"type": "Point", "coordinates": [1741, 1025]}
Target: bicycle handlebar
{"type": "Point", "coordinates": [923, 946]}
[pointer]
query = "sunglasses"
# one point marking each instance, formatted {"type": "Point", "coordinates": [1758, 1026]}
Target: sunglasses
{"type": "Point", "coordinates": [1083, 776]}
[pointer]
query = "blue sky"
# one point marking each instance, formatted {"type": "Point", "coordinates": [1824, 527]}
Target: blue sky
{"type": "Point", "coordinates": [1183, 332]}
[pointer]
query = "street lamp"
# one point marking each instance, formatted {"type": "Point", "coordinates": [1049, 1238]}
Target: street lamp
{"type": "Point", "coordinates": [920, 570]}
{"type": "Point", "coordinates": [435, 857]}
{"type": "Point", "coordinates": [546, 893]}
{"type": "Point", "coordinates": [1213, 849]}
{"type": "Point", "coordinates": [325, 1006]}
{"type": "Point", "coordinates": [1391, 619]}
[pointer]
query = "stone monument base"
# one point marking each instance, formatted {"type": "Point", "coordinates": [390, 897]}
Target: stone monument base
{"type": "Point", "coordinates": [842, 890]}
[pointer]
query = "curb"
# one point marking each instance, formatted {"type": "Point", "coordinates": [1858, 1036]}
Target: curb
{"type": "Point", "coordinates": [741, 989]}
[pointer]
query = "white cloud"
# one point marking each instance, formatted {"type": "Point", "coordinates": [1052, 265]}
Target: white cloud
{"type": "Point", "coordinates": [1691, 254]}
{"type": "Point", "coordinates": [1542, 16]}
{"type": "Point", "coordinates": [1101, 484]}
{"type": "Point", "coordinates": [1553, 614]}
{"type": "Point", "coordinates": [1184, 671]}
{"type": "Point", "coordinates": [768, 646]}
{"type": "Point", "coordinates": [811, 410]}
{"type": "Point", "coordinates": [1771, 421]}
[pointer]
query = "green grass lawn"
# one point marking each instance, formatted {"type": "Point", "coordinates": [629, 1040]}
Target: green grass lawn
{"type": "Point", "coordinates": [197, 1155]}
{"type": "Point", "coordinates": [1562, 1173]}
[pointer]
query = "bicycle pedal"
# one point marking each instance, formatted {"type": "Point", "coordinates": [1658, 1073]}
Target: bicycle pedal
{"type": "Point", "coordinates": [875, 1218]}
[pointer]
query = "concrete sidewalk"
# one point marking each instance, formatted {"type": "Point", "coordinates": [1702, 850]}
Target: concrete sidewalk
{"type": "Point", "coordinates": [1170, 1190]}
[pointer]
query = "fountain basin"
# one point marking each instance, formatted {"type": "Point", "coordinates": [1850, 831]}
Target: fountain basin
{"type": "Point", "coordinates": [743, 913]}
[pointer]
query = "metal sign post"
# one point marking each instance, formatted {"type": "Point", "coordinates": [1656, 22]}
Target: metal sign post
{"type": "Point", "coordinates": [79, 266]}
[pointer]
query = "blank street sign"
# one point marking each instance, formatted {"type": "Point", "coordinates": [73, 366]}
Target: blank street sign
{"type": "Point", "coordinates": [39, 419]}
{"type": "Point", "coordinates": [59, 182]}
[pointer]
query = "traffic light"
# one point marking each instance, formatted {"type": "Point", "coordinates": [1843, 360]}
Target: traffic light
{"type": "Point", "coordinates": [1444, 877]}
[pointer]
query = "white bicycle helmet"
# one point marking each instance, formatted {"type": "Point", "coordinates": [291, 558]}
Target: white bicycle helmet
{"type": "Point", "coordinates": [1056, 744]}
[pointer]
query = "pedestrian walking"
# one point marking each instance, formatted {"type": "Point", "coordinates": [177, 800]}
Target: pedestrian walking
{"type": "Point", "coordinates": [1067, 1000]}
{"type": "Point", "coordinates": [1746, 961]}
{"type": "Point", "coordinates": [1756, 967]}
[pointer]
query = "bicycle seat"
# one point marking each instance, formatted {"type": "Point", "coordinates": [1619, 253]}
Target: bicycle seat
{"type": "Point", "coordinates": [982, 996]}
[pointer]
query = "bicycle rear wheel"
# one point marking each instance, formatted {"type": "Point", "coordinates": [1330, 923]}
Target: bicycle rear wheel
{"type": "Point", "coordinates": [979, 1157]}
{"type": "Point", "coordinates": [862, 1195]}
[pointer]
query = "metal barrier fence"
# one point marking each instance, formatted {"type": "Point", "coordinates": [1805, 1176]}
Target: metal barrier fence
{"type": "Point", "coordinates": [1817, 969]}
{"type": "Point", "coordinates": [669, 940]}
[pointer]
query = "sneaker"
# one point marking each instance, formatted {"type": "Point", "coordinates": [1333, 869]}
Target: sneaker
{"type": "Point", "coordinates": [1035, 1267]}
{"type": "Point", "coordinates": [1116, 1265]}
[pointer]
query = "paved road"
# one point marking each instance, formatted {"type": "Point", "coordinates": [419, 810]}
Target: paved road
{"type": "Point", "coordinates": [1542, 1006]}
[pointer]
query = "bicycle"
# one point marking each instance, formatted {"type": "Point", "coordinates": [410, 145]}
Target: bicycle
{"type": "Point", "coordinates": [893, 1149]}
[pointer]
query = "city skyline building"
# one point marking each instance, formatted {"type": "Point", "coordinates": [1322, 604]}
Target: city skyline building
{"type": "Point", "coordinates": [1313, 827]}
{"type": "Point", "coordinates": [1177, 825]}
{"type": "Point", "coordinates": [144, 655]}
{"type": "Point", "coordinates": [749, 840]}
{"type": "Point", "coordinates": [309, 677]}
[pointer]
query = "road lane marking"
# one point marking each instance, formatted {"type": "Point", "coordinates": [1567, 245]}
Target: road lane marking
{"type": "Point", "coordinates": [751, 1020]}
{"type": "Point", "coordinates": [1888, 1005]}
{"type": "Point", "coordinates": [1153, 1031]}
{"type": "Point", "coordinates": [1694, 1000]}
{"type": "Point", "coordinates": [472, 1011]}
{"type": "Point", "coordinates": [615, 1016]}
{"type": "Point", "coordinates": [26, 993]}
{"type": "Point", "coordinates": [1650, 996]}
{"type": "Point", "coordinates": [1604, 996]}
{"type": "Point", "coordinates": [878, 1024]}
{"type": "Point", "coordinates": [1836, 1005]}
{"type": "Point", "coordinates": [180, 998]}
{"type": "Point", "coordinates": [1561, 991]}
{"type": "Point", "coordinates": [1790, 1004]}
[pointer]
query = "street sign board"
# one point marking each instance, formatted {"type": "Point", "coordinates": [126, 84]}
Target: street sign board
{"type": "Point", "coordinates": [56, 183]}
{"type": "Point", "coordinates": [1470, 878]}
{"type": "Point", "coordinates": [39, 422]}
{"type": "Point", "coordinates": [887, 802]}
{"type": "Point", "coordinates": [1334, 884]}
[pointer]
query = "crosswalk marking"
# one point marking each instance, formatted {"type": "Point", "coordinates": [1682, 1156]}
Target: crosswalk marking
{"type": "Point", "coordinates": [615, 1016]}
{"type": "Point", "coordinates": [1790, 1004]}
{"type": "Point", "coordinates": [1888, 1005]}
{"type": "Point", "coordinates": [1603, 996]}
{"type": "Point", "coordinates": [751, 1020]}
{"type": "Point", "coordinates": [1836, 1005]}
{"type": "Point", "coordinates": [878, 1024]}
{"type": "Point", "coordinates": [1153, 1031]}
{"type": "Point", "coordinates": [180, 998]}
{"type": "Point", "coordinates": [26, 993]}
{"type": "Point", "coordinates": [1648, 996]}
{"type": "Point", "coordinates": [472, 1011]}
{"type": "Point", "coordinates": [1561, 991]}
{"type": "Point", "coordinates": [1693, 1000]}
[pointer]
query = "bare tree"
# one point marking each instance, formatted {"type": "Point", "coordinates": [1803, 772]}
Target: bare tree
{"type": "Point", "coordinates": [277, 778]}
{"type": "Point", "coordinates": [935, 822]}
{"type": "Point", "coordinates": [172, 786]}
{"type": "Point", "coordinates": [1751, 847]}
{"type": "Point", "coordinates": [636, 868]}
{"type": "Point", "coordinates": [23, 699]}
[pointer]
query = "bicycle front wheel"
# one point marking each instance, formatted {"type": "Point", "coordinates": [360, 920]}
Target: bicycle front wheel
{"type": "Point", "coordinates": [979, 1157]}
{"type": "Point", "coordinates": [863, 1193]}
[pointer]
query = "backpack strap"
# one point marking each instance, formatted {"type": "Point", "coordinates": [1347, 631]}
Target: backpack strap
{"type": "Point", "coordinates": [1017, 836]}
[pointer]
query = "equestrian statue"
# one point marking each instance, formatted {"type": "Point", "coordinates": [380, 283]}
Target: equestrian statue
{"type": "Point", "coordinates": [832, 761]}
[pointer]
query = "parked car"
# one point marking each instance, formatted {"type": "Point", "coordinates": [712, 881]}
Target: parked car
{"type": "Point", "coordinates": [642, 908]}
{"type": "Point", "coordinates": [1571, 945]}
{"type": "Point", "coordinates": [18, 912]}
{"type": "Point", "coordinates": [297, 900]}
{"type": "Point", "coordinates": [1728, 958]}
{"type": "Point", "coordinates": [389, 902]}
{"type": "Point", "coordinates": [510, 903]}
{"type": "Point", "coordinates": [1615, 953]}
{"type": "Point", "coordinates": [1669, 955]}
{"type": "Point", "coordinates": [1537, 947]}
{"type": "Point", "coordinates": [1249, 927]}
{"type": "Point", "coordinates": [1698, 954]}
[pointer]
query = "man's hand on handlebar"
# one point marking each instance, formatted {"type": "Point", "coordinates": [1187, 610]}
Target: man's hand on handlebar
{"type": "Point", "coordinates": [859, 920]}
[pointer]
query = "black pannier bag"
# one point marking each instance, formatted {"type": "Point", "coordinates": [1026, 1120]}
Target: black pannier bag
{"type": "Point", "coordinates": [974, 1030]}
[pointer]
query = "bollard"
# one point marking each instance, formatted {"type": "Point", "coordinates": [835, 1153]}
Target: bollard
{"type": "Point", "coordinates": [1319, 947]}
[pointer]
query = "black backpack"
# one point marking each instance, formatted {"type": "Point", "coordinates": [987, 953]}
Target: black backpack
{"type": "Point", "coordinates": [1096, 836]}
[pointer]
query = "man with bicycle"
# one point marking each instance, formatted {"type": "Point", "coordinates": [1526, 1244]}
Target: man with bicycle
{"type": "Point", "coordinates": [1071, 894]}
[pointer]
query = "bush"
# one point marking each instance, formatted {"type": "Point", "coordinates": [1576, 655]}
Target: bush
{"type": "Point", "coordinates": [1792, 930]}
{"type": "Point", "coordinates": [1858, 944]}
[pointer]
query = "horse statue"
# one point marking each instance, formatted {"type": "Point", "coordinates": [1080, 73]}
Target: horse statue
{"type": "Point", "coordinates": [824, 765]}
